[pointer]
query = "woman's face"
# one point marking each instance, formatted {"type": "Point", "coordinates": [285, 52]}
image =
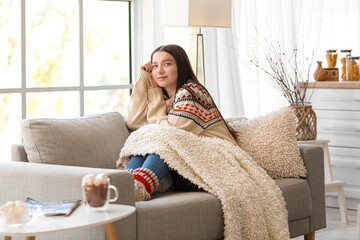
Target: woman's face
{"type": "Point", "coordinates": [165, 70]}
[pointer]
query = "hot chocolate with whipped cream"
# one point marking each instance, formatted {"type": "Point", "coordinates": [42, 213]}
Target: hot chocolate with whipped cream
{"type": "Point", "coordinates": [15, 212]}
{"type": "Point", "coordinates": [95, 189]}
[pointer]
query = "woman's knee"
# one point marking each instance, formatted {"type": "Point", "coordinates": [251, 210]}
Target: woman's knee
{"type": "Point", "coordinates": [136, 162]}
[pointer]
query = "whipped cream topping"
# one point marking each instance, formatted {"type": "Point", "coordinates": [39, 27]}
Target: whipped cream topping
{"type": "Point", "coordinates": [92, 179]}
{"type": "Point", "coordinates": [9, 206]}
{"type": "Point", "coordinates": [101, 179]}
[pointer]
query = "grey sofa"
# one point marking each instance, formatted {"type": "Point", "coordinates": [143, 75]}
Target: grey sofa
{"type": "Point", "coordinates": [169, 215]}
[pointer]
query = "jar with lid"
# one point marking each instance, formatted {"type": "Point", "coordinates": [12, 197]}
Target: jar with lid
{"type": "Point", "coordinates": [352, 68]}
{"type": "Point", "coordinates": [343, 54]}
{"type": "Point", "coordinates": [331, 58]}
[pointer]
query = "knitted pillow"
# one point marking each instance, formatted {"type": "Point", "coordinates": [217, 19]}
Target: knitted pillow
{"type": "Point", "coordinates": [271, 142]}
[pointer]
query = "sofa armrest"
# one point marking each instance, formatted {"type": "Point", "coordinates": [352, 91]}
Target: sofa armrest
{"type": "Point", "coordinates": [313, 157]}
{"type": "Point", "coordinates": [18, 153]}
{"type": "Point", "coordinates": [48, 182]}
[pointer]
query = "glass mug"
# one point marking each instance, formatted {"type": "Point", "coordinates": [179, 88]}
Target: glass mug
{"type": "Point", "coordinates": [96, 192]}
{"type": "Point", "coordinates": [14, 213]}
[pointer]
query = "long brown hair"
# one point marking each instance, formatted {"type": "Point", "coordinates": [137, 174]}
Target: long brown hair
{"type": "Point", "coordinates": [186, 73]}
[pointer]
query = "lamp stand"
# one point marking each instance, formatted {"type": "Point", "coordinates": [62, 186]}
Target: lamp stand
{"type": "Point", "coordinates": [197, 54]}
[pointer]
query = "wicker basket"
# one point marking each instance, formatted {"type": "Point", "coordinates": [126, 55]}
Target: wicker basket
{"type": "Point", "coordinates": [305, 122]}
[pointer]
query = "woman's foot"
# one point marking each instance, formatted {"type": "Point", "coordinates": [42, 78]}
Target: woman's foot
{"type": "Point", "coordinates": [140, 192]}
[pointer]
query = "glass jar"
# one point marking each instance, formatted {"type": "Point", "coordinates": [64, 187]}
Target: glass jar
{"type": "Point", "coordinates": [352, 68]}
{"type": "Point", "coordinates": [331, 58]}
{"type": "Point", "coordinates": [343, 54]}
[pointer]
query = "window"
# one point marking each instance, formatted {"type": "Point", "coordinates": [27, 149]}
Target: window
{"type": "Point", "coordinates": [62, 59]}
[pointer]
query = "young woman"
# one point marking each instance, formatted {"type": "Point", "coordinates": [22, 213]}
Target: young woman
{"type": "Point", "coordinates": [168, 92]}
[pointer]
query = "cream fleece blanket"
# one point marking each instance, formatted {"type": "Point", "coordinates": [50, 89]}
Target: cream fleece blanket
{"type": "Point", "coordinates": [252, 203]}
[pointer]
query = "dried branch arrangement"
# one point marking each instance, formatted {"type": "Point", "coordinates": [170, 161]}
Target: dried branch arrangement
{"type": "Point", "coordinates": [286, 73]}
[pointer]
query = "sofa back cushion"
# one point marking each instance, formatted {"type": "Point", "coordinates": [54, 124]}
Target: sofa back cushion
{"type": "Point", "coordinates": [92, 141]}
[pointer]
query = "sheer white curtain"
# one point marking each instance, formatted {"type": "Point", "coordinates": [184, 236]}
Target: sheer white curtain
{"type": "Point", "coordinates": [222, 77]}
{"type": "Point", "coordinates": [307, 25]}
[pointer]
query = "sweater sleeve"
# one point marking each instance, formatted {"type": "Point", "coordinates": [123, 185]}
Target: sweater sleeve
{"type": "Point", "coordinates": [156, 106]}
{"type": "Point", "coordinates": [193, 112]}
{"type": "Point", "coordinates": [137, 109]}
{"type": "Point", "coordinates": [146, 105]}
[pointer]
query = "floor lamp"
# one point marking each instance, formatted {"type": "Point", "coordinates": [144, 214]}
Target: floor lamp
{"type": "Point", "coordinates": [196, 14]}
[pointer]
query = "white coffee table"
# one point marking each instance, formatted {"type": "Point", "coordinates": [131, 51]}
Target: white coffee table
{"type": "Point", "coordinates": [80, 218]}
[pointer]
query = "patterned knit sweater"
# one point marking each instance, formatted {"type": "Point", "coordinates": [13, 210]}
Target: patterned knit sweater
{"type": "Point", "coordinates": [192, 111]}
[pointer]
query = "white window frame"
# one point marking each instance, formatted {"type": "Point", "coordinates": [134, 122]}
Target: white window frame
{"type": "Point", "coordinates": [23, 90]}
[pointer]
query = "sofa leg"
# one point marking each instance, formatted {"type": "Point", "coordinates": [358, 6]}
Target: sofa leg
{"type": "Point", "coordinates": [309, 236]}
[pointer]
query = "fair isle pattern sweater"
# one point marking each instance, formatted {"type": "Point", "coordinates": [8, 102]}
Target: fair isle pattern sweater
{"type": "Point", "coordinates": [197, 107]}
{"type": "Point", "coordinates": [197, 114]}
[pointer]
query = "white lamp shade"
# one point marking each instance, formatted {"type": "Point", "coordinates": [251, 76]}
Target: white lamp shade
{"type": "Point", "coordinates": [200, 13]}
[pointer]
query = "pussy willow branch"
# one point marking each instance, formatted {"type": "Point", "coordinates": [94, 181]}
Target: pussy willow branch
{"type": "Point", "coordinates": [276, 63]}
{"type": "Point", "coordinates": [286, 73]}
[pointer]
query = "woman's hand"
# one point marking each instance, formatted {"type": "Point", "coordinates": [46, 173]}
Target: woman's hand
{"type": "Point", "coordinates": [151, 82]}
{"type": "Point", "coordinates": [147, 67]}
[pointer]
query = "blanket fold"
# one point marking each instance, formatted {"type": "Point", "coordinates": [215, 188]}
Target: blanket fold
{"type": "Point", "coordinates": [252, 203]}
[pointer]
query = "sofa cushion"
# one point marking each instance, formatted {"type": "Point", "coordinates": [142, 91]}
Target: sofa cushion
{"type": "Point", "coordinates": [296, 193]}
{"type": "Point", "coordinates": [198, 215]}
{"type": "Point", "coordinates": [180, 215]}
{"type": "Point", "coordinates": [92, 141]}
{"type": "Point", "coordinates": [271, 142]}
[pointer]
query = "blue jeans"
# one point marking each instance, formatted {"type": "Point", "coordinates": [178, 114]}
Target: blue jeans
{"type": "Point", "coordinates": [152, 162]}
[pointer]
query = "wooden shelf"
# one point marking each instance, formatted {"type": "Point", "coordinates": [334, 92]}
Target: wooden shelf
{"type": "Point", "coordinates": [333, 84]}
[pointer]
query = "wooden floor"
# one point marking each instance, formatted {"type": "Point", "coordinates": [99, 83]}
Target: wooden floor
{"type": "Point", "coordinates": [336, 230]}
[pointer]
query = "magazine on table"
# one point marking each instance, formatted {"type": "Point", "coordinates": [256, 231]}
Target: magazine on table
{"type": "Point", "coordinates": [63, 207]}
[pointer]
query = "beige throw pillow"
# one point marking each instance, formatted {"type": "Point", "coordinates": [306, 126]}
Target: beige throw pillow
{"type": "Point", "coordinates": [271, 142]}
{"type": "Point", "coordinates": [92, 141]}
